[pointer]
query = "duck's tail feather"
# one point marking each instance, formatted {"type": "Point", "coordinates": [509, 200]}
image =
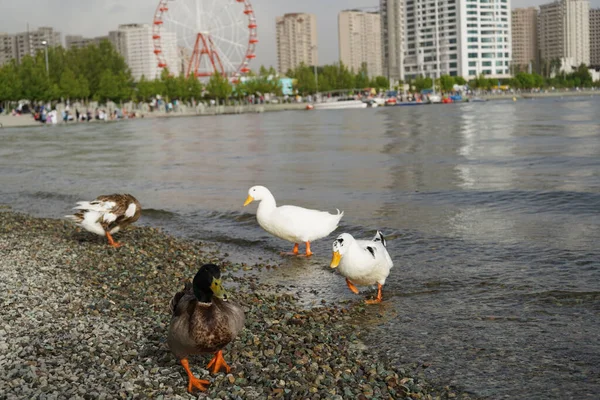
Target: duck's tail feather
{"type": "Point", "coordinates": [77, 218]}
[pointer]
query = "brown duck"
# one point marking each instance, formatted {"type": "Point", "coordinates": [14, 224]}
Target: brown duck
{"type": "Point", "coordinates": [107, 214]}
{"type": "Point", "coordinates": [203, 321]}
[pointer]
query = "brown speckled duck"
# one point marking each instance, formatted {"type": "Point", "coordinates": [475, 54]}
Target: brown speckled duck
{"type": "Point", "coordinates": [203, 321]}
{"type": "Point", "coordinates": [107, 214]}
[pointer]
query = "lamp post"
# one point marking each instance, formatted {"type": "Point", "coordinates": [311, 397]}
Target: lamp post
{"type": "Point", "coordinates": [45, 43]}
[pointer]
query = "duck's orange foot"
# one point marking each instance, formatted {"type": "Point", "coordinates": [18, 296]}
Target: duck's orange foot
{"type": "Point", "coordinates": [379, 297]}
{"type": "Point", "coordinates": [292, 253]}
{"type": "Point", "coordinates": [111, 241]}
{"type": "Point", "coordinates": [218, 363]}
{"type": "Point", "coordinates": [351, 286]}
{"type": "Point", "coordinates": [199, 384]}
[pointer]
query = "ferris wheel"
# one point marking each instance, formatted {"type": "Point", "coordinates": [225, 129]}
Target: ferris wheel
{"type": "Point", "coordinates": [208, 35]}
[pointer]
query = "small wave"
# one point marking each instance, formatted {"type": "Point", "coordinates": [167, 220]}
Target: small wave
{"type": "Point", "coordinates": [526, 201]}
{"type": "Point", "coordinates": [53, 196]}
{"type": "Point", "coordinates": [564, 297]}
{"type": "Point", "coordinates": [159, 213]}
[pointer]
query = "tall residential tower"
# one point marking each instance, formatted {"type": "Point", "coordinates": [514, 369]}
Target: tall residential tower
{"type": "Point", "coordinates": [458, 38]}
{"type": "Point", "coordinates": [360, 40]}
{"type": "Point", "coordinates": [525, 37]}
{"type": "Point", "coordinates": [392, 38]}
{"type": "Point", "coordinates": [296, 41]}
{"type": "Point", "coordinates": [595, 37]}
{"type": "Point", "coordinates": [564, 32]}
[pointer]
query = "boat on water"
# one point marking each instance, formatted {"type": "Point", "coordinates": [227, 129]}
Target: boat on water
{"type": "Point", "coordinates": [340, 103]}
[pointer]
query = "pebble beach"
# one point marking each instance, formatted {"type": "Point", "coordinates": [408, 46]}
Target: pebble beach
{"type": "Point", "coordinates": [81, 320]}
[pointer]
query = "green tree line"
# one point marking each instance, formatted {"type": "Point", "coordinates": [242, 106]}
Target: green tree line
{"type": "Point", "coordinates": [522, 80]}
{"type": "Point", "coordinates": [99, 72]}
{"type": "Point", "coordinates": [333, 77]}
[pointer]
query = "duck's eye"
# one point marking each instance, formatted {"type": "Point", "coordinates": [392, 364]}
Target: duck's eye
{"type": "Point", "coordinates": [341, 241]}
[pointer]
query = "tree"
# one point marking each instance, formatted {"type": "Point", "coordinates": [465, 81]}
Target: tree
{"type": "Point", "coordinates": [459, 80]}
{"type": "Point", "coordinates": [218, 87]}
{"type": "Point", "coordinates": [10, 84]}
{"type": "Point", "coordinates": [193, 87]}
{"type": "Point", "coordinates": [446, 83]}
{"type": "Point", "coordinates": [421, 83]}
{"type": "Point", "coordinates": [145, 89]}
{"type": "Point", "coordinates": [69, 85]}
{"type": "Point", "coordinates": [108, 88]}
{"type": "Point", "coordinates": [362, 77]}
{"type": "Point", "coordinates": [381, 82]}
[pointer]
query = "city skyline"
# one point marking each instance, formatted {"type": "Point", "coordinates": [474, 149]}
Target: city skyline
{"type": "Point", "coordinates": [70, 19]}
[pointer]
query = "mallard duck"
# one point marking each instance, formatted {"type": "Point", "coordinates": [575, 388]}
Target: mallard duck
{"type": "Point", "coordinates": [107, 214]}
{"type": "Point", "coordinates": [203, 321]}
{"type": "Point", "coordinates": [362, 262]}
{"type": "Point", "coordinates": [292, 223]}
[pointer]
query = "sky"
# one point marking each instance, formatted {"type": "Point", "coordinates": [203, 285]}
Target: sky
{"type": "Point", "coordinates": [96, 17]}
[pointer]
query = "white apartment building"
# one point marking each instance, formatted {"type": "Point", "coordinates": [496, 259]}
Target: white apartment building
{"type": "Point", "coordinates": [79, 41]}
{"type": "Point", "coordinates": [134, 43]}
{"type": "Point", "coordinates": [392, 38]}
{"type": "Point", "coordinates": [524, 36]}
{"type": "Point", "coordinates": [360, 40]}
{"type": "Point", "coordinates": [594, 37]}
{"type": "Point", "coordinates": [564, 32]}
{"type": "Point", "coordinates": [458, 38]}
{"type": "Point", "coordinates": [296, 41]}
{"type": "Point", "coordinates": [31, 42]}
{"type": "Point", "coordinates": [8, 48]}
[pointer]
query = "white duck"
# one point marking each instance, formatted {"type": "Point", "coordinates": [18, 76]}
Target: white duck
{"type": "Point", "coordinates": [107, 214]}
{"type": "Point", "coordinates": [291, 223]}
{"type": "Point", "coordinates": [362, 262]}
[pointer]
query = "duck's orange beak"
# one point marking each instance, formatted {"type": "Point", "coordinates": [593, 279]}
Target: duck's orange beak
{"type": "Point", "coordinates": [249, 200]}
{"type": "Point", "coordinates": [335, 260]}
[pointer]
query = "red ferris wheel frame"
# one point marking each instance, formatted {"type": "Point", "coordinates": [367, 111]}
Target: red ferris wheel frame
{"type": "Point", "coordinates": [204, 46]}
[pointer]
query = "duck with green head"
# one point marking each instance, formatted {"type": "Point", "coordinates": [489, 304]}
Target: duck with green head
{"type": "Point", "coordinates": [203, 321]}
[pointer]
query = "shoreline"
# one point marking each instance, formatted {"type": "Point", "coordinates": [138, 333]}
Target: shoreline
{"type": "Point", "coordinates": [80, 318]}
{"type": "Point", "coordinates": [9, 121]}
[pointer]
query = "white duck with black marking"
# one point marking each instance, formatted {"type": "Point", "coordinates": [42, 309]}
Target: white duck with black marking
{"type": "Point", "coordinates": [362, 262]}
{"type": "Point", "coordinates": [292, 223]}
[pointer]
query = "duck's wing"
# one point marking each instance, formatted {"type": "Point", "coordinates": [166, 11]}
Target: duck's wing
{"type": "Point", "coordinates": [179, 299]}
{"type": "Point", "coordinates": [303, 219]}
{"type": "Point", "coordinates": [116, 208]}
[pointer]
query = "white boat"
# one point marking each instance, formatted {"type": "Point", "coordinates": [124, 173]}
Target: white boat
{"type": "Point", "coordinates": [344, 102]}
{"type": "Point", "coordinates": [435, 98]}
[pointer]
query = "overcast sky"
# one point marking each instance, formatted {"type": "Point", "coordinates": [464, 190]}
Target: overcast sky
{"type": "Point", "coordinates": [97, 17]}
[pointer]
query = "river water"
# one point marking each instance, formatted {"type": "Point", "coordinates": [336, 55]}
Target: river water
{"type": "Point", "coordinates": [491, 211]}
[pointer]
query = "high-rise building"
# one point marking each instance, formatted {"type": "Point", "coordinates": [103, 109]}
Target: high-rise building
{"type": "Point", "coordinates": [564, 32]}
{"type": "Point", "coordinates": [458, 38]}
{"type": "Point", "coordinates": [30, 42]}
{"type": "Point", "coordinates": [8, 48]}
{"type": "Point", "coordinates": [296, 41]}
{"type": "Point", "coordinates": [360, 40]}
{"type": "Point", "coordinates": [80, 42]}
{"type": "Point", "coordinates": [392, 38]}
{"type": "Point", "coordinates": [524, 37]}
{"type": "Point", "coordinates": [134, 43]}
{"type": "Point", "coordinates": [595, 37]}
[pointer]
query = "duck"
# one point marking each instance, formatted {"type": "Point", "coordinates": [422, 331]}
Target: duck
{"type": "Point", "coordinates": [292, 223]}
{"type": "Point", "coordinates": [362, 262]}
{"type": "Point", "coordinates": [203, 321]}
{"type": "Point", "coordinates": [107, 214]}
